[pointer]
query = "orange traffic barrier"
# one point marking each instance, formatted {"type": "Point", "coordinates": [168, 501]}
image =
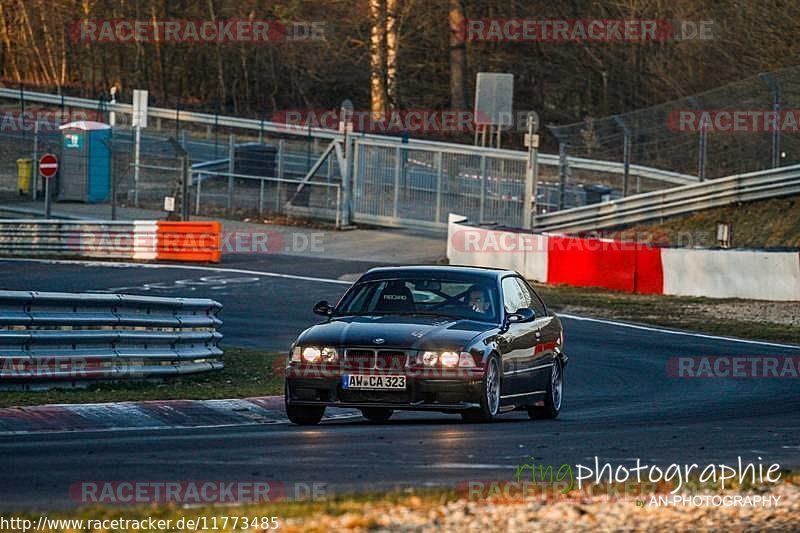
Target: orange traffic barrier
{"type": "Point", "coordinates": [189, 241]}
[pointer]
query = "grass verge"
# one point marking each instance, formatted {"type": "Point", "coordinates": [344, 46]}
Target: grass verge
{"type": "Point", "coordinates": [771, 321]}
{"type": "Point", "coordinates": [247, 373]}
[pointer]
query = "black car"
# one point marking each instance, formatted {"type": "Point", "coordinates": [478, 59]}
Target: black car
{"type": "Point", "coordinates": [465, 340]}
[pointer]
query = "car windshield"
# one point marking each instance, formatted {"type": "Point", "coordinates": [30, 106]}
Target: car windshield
{"type": "Point", "coordinates": [474, 299]}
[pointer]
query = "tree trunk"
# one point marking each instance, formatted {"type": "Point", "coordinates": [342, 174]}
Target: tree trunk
{"type": "Point", "coordinates": [392, 42]}
{"type": "Point", "coordinates": [377, 51]}
{"type": "Point", "coordinates": [458, 56]}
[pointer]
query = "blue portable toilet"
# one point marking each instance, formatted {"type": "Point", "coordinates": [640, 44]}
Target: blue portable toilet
{"type": "Point", "coordinates": [85, 169]}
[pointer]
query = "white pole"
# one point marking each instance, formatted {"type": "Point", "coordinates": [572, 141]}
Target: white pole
{"type": "Point", "coordinates": [35, 160]}
{"type": "Point", "coordinates": [136, 151]}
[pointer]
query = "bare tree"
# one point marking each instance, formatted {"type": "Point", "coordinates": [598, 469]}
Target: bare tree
{"type": "Point", "coordinates": [458, 55]}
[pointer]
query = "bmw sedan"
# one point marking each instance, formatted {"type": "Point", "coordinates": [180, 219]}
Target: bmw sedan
{"type": "Point", "coordinates": [466, 340]}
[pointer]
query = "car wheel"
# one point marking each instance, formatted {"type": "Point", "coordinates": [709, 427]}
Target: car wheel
{"type": "Point", "coordinates": [490, 395]}
{"type": "Point", "coordinates": [302, 415]}
{"type": "Point", "coordinates": [554, 396]}
{"type": "Point", "coordinates": [378, 415]}
{"type": "Point", "coordinates": [305, 415]}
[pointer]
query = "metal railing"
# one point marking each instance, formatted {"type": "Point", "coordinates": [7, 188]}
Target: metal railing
{"type": "Point", "coordinates": [65, 339]}
{"type": "Point", "coordinates": [74, 238]}
{"type": "Point", "coordinates": [760, 185]}
{"type": "Point", "coordinates": [313, 199]}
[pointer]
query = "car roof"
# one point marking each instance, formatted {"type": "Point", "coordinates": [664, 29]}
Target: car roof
{"type": "Point", "coordinates": [435, 270]}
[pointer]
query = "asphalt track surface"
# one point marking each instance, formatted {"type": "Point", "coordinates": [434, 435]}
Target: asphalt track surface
{"type": "Point", "coordinates": [620, 403]}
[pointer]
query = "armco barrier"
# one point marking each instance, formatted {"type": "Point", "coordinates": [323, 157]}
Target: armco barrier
{"type": "Point", "coordinates": [133, 240]}
{"type": "Point", "coordinates": [626, 266]}
{"type": "Point", "coordinates": [56, 339]}
{"type": "Point", "coordinates": [189, 241]}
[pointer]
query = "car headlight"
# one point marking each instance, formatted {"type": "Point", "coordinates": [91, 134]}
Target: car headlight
{"type": "Point", "coordinates": [448, 359]}
{"type": "Point", "coordinates": [430, 358]}
{"type": "Point", "coordinates": [314, 355]}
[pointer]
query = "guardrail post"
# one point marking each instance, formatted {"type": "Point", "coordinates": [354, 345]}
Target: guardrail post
{"type": "Point", "coordinates": [197, 195]}
{"type": "Point", "coordinates": [261, 197]}
{"type": "Point", "coordinates": [137, 149]}
{"type": "Point", "coordinates": [483, 188]}
{"type": "Point", "coordinates": [398, 154]}
{"type": "Point", "coordinates": [231, 168]}
{"type": "Point", "coordinates": [347, 177]}
{"type": "Point", "coordinates": [185, 173]}
{"type": "Point", "coordinates": [35, 161]}
{"type": "Point", "coordinates": [562, 173]}
{"type": "Point", "coordinates": [776, 109]}
{"type": "Point", "coordinates": [702, 150]}
{"type": "Point", "coordinates": [438, 186]}
{"type": "Point", "coordinates": [22, 108]}
{"type": "Point", "coordinates": [112, 178]}
{"type": "Point", "coordinates": [281, 148]}
{"type": "Point", "coordinates": [626, 155]}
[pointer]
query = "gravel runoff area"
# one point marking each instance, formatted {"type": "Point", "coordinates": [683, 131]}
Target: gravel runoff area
{"type": "Point", "coordinates": [569, 513]}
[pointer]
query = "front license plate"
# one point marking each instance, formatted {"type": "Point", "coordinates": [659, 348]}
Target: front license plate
{"type": "Point", "coordinates": [365, 381]}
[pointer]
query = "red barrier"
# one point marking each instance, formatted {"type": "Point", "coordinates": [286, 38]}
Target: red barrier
{"type": "Point", "coordinates": [189, 241]}
{"type": "Point", "coordinates": [649, 270]}
{"type": "Point", "coordinates": [617, 265]}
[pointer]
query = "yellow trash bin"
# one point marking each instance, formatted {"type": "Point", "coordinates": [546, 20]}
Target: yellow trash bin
{"type": "Point", "coordinates": [24, 171]}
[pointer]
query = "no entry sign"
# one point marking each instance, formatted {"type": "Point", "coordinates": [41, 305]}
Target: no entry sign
{"type": "Point", "coordinates": [48, 165]}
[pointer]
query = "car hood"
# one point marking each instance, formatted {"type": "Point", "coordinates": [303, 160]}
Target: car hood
{"type": "Point", "coordinates": [406, 332]}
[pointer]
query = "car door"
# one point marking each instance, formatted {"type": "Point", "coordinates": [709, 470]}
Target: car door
{"type": "Point", "coordinates": [521, 340]}
{"type": "Point", "coordinates": [540, 363]}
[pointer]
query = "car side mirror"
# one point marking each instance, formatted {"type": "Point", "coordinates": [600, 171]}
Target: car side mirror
{"type": "Point", "coordinates": [521, 315]}
{"type": "Point", "coordinates": [323, 308]}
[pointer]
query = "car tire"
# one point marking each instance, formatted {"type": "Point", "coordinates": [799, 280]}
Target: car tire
{"type": "Point", "coordinates": [377, 415]}
{"type": "Point", "coordinates": [554, 396]}
{"type": "Point", "coordinates": [490, 395]}
{"type": "Point", "coordinates": [305, 415]}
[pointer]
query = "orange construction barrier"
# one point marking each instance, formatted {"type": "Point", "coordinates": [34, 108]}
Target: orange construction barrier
{"type": "Point", "coordinates": [189, 241]}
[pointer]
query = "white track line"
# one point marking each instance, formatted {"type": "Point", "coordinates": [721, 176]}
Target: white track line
{"type": "Point", "coordinates": [109, 264]}
{"type": "Point", "coordinates": [339, 282]}
{"type": "Point", "coordinates": [678, 332]}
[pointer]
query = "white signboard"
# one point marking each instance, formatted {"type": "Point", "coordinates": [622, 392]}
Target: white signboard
{"type": "Point", "coordinates": [494, 99]}
{"type": "Point", "coordinates": [139, 109]}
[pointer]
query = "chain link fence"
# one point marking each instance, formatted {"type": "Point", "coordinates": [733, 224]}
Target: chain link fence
{"type": "Point", "coordinates": [746, 126]}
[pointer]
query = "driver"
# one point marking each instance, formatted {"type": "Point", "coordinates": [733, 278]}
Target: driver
{"type": "Point", "coordinates": [479, 300]}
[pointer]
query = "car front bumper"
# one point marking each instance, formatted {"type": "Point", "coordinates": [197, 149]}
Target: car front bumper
{"type": "Point", "coordinates": [456, 390]}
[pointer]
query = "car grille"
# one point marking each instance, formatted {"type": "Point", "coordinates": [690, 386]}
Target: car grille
{"type": "Point", "coordinates": [364, 359]}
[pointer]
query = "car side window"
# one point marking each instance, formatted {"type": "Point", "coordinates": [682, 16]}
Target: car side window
{"type": "Point", "coordinates": [532, 299]}
{"type": "Point", "coordinates": [513, 296]}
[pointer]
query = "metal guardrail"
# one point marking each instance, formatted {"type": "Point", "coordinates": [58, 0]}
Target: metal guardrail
{"type": "Point", "coordinates": [73, 238]}
{"type": "Point", "coordinates": [288, 129]}
{"type": "Point", "coordinates": [676, 201]}
{"type": "Point", "coordinates": [55, 339]}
